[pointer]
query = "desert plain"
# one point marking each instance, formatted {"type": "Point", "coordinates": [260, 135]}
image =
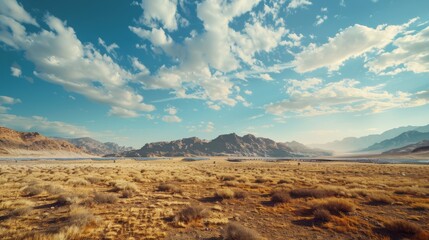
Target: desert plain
{"type": "Point", "coordinates": [212, 199]}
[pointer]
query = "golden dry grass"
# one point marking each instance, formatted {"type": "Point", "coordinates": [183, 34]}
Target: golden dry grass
{"type": "Point", "coordinates": [172, 199]}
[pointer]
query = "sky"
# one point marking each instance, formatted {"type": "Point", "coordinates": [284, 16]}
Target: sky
{"type": "Point", "coordinates": [134, 72]}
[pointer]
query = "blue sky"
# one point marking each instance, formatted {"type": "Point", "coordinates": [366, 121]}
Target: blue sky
{"type": "Point", "coordinates": [140, 71]}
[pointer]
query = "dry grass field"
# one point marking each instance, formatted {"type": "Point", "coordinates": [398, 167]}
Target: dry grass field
{"type": "Point", "coordinates": [174, 199]}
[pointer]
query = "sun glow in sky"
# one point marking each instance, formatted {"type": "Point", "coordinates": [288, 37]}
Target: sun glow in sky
{"type": "Point", "coordinates": [141, 71]}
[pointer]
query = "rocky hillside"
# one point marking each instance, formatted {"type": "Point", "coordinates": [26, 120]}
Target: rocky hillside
{"type": "Point", "coordinates": [223, 145]}
{"type": "Point", "coordinates": [95, 147]}
{"type": "Point", "coordinates": [422, 146]}
{"type": "Point", "coordinates": [404, 139]}
{"type": "Point", "coordinates": [12, 141]}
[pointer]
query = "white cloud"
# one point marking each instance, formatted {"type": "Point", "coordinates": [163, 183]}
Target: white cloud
{"type": "Point", "coordinates": [13, 10]}
{"type": "Point", "coordinates": [350, 43]}
{"type": "Point", "coordinates": [213, 106]}
{"type": "Point", "coordinates": [311, 97]}
{"type": "Point", "coordinates": [109, 48]}
{"type": "Point", "coordinates": [163, 11]}
{"type": "Point", "coordinates": [122, 112]}
{"type": "Point", "coordinates": [171, 110]}
{"type": "Point", "coordinates": [320, 19]}
{"type": "Point", "coordinates": [61, 58]}
{"type": "Point", "coordinates": [248, 92]}
{"type": "Point", "coordinates": [16, 71]}
{"type": "Point", "coordinates": [5, 100]}
{"type": "Point", "coordinates": [411, 53]}
{"type": "Point", "coordinates": [43, 125]}
{"type": "Point", "coordinates": [298, 3]}
{"type": "Point", "coordinates": [171, 119]}
{"type": "Point", "coordinates": [266, 77]}
{"type": "Point", "coordinates": [207, 59]}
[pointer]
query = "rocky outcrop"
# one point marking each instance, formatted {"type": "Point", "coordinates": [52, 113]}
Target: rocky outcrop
{"type": "Point", "coordinates": [223, 145]}
{"type": "Point", "coordinates": [95, 147]}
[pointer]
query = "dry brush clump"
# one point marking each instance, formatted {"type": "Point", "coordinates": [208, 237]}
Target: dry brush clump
{"type": "Point", "coordinates": [404, 228]}
{"type": "Point", "coordinates": [225, 193]}
{"type": "Point", "coordinates": [102, 198]}
{"type": "Point", "coordinates": [80, 217]}
{"type": "Point", "coordinates": [322, 215]}
{"type": "Point", "coordinates": [191, 214]}
{"type": "Point", "coordinates": [32, 190]}
{"type": "Point", "coordinates": [335, 206]}
{"type": "Point", "coordinates": [77, 182]}
{"type": "Point", "coordinates": [380, 199]}
{"type": "Point", "coordinates": [168, 187]}
{"type": "Point", "coordinates": [280, 196]}
{"type": "Point", "coordinates": [236, 231]}
{"type": "Point", "coordinates": [312, 193]}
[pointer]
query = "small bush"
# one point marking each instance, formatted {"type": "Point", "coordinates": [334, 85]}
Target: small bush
{"type": "Point", "coordinates": [32, 190]}
{"type": "Point", "coordinates": [94, 179]}
{"type": "Point", "coordinates": [280, 196]}
{"type": "Point", "coordinates": [312, 192]}
{"type": "Point", "coordinates": [322, 215]}
{"type": "Point", "coordinates": [236, 231]}
{"type": "Point", "coordinates": [165, 187]}
{"type": "Point", "coordinates": [21, 211]}
{"type": "Point", "coordinates": [402, 227]}
{"type": "Point", "coordinates": [227, 178]}
{"type": "Point", "coordinates": [335, 205]}
{"type": "Point", "coordinates": [127, 193]}
{"type": "Point", "coordinates": [262, 180]}
{"type": "Point", "coordinates": [224, 193]}
{"type": "Point", "coordinates": [53, 189]}
{"type": "Point", "coordinates": [189, 214]}
{"type": "Point", "coordinates": [77, 182]}
{"type": "Point", "coordinates": [239, 194]}
{"type": "Point", "coordinates": [105, 198]}
{"type": "Point", "coordinates": [67, 199]}
{"type": "Point", "coordinates": [80, 216]}
{"type": "Point", "coordinates": [124, 185]}
{"type": "Point", "coordinates": [379, 199]}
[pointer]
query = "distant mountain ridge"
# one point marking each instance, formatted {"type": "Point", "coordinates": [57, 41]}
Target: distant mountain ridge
{"type": "Point", "coordinates": [422, 146]}
{"type": "Point", "coordinates": [354, 144]}
{"type": "Point", "coordinates": [404, 139]}
{"type": "Point", "coordinates": [15, 143]}
{"type": "Point", "coordinates": [95, 147]}
{"type": "Point", "coordinates": [224, 145]}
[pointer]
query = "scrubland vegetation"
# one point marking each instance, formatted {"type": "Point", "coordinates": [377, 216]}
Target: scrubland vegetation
{"type": "Point", "coordinates": [201, 200]}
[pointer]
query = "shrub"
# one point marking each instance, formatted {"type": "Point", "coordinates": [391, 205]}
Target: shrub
{"type": "Point", "coordinates": [80, 216]}
{"type": "Point", "coordinates": [165, 187]}
{"type": "Point", "coordinates": [67, 199]}
{"type": "Point", "coordinates": [322, 215]}
{"type": "Point", "coordinates": [239, 194]}
{"type": "Point", "coordinates": [193, 213]}
{"type": "Point", "coordinates": [53, 189]}
{"type": "Point", "coordinates": [225, 193]}
{"type": "Point", "coordinates": [105, 198]}
{"type": "Point", "coordinates": [123, 185]}
{"type": "Point", "coordinates": [21, 211]}
{"type": "Point", "coordinates": [127, 193]}
{"type": "Point", "coordinates": [32, 190]}
{"type": "Point", "coordinates": [94, 179]}
{"type": "Point", "coordinates": [236, 231]}
{"type": "Point", "coordinates": [379, 199]}
{"type": "Point", "coordinates": [312, 192]}
{"type": "Point", "coordinates": [77, 182]}
{"type": "Point", "coordinates": [335, 205]}
{"type": "Point", "coordinates": [280, 196]}
{"type": "Point", "coordinates": [227, 178]}
{"type": "Point", "coordinates": [402, 227]}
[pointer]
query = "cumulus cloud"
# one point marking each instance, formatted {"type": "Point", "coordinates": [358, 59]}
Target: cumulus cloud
{"type": "Point", "coordinates": [320, 19]}
{"type": "Point", "coordinates": [14, 10]}
{"type": "Point", "coordinates": [109, 48]}
{"type": "Point", "coordinates": [207, 59]}
{"type": "Point", "coordinates": [248, 92]}
{"type": "Point", "coordinates": [311, 97]}
{"type": "Point", "coordinates": [5, 100]}
{"type": "Point", "coordinates": [266, 77]}
{"type": "Point", "coordinates": [298, 3]}
{"type": "Point", "coordinates": [350, 43]}
{"type": "Point", "coordinates": [159, 11]}
{"type": "Point", "coordinates": [61, 58]}
{"type": "Point", "coordinates": [16, 71]}
{"type": "Point", "coordinates": [171, 117]}
{"type": "Point", "coordinates": [410, 53]}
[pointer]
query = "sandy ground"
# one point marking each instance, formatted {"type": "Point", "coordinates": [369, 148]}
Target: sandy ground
{"type": "Point", "coordinates": [126, 200]}
{"type": "Point", "coordinates": [21, 153]}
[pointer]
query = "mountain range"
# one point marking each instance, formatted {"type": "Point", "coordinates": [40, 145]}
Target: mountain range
{"type": "Point", "coordinates": [357, 144]}
{"type": "Point", "coordinates": [95, 147]}
{"type": "Point", "coordinates": [224, 145]}
{"type": "Point", "coordinates": [422, 146]}
{"type": "Point", "coordinates": [14, 143]}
